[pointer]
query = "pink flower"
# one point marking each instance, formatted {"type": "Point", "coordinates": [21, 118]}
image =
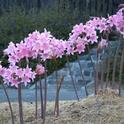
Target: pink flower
{"type": "Point", "coordinates": [39, 69]}
{"type": "Point", "coordinates": [117, 21]}
{"type": "Point", "coordinates": [103, 43]}
{"type": "Point", "coordinates": [1, 70]}
{"type": "Point", "coordinates": [15, 75]}
{"type": "Point", "coordinates": [11, 49]}
{"type": "Point", "coordinates": [69, 48]}
{"type": "Point", "coordinates": [86, 32]}
{"type": "Point", "coordinates": [80, 46]}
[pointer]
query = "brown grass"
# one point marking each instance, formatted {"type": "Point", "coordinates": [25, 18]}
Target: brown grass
{"type": "Point", "coordinates": [105, 108]}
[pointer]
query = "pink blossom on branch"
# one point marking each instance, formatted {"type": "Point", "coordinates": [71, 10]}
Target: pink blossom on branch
{"type": "Point", "coordinates": [45, 46]}
{"type": "Point", "coordinates": [117, 21]}
{"type": "Point", "coordinates": [15, 75]}
{"type": "Point", "coordinates": [40, 70]}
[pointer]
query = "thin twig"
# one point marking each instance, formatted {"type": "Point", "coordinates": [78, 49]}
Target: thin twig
{"type": "Point", "coordinates": [36, 100]}
{"type": "Point", "coordinates": [56, 75]}
{"type": "Point", "coordinates": [20, 104]}
{"type": "Point", "coordinates": [85, 84]}
{"type": "Point", "coordinates": [102, 74]}
{"type": "Point", "coordinates": [95, 73]}
{"type": "Point", "coordinates": [59, 84]}
{"type": "Point", "coordinates": [121, 70]}
{"type": "Point", "coordinates": [108, 66]}
{"type": "Point", "coordinates": [41, 99]}
{"type": "Point", "coordinates": [114, 64]}
{"type": "Point", "coordinates": [10, 106]}
{"type": "Point", "coordinates": [45, 94]}
{"type": "Point", "coordinates": [73, 82]}
{"type": "Point", "coordinates": [108, 70]}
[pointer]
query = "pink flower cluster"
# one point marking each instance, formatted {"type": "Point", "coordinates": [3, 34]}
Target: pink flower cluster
{"type": "Point", "coordinates": [117, 21]}
{"type": "Point", "coordinates": [15, 75]}
{"type": "Point", "coordinates": [44, 46]}
{"type": "Point", "coordinates": [37, 44]}
{"type": "Point", "coordinates": [40, 69]}
{"type": "Point", "coordinates": [84, 33]}
{"type": "Point", "coordinates": [18, 51]}
{"type": "Point", "coordinates": [98, 23]}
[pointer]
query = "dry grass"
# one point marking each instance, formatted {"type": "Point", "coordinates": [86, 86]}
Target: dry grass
{"type": "Point", "coordinates": [106, 108]}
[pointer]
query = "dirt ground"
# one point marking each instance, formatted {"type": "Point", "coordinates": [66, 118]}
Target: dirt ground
{"type": "Point", "coordinates": [105, 108]}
